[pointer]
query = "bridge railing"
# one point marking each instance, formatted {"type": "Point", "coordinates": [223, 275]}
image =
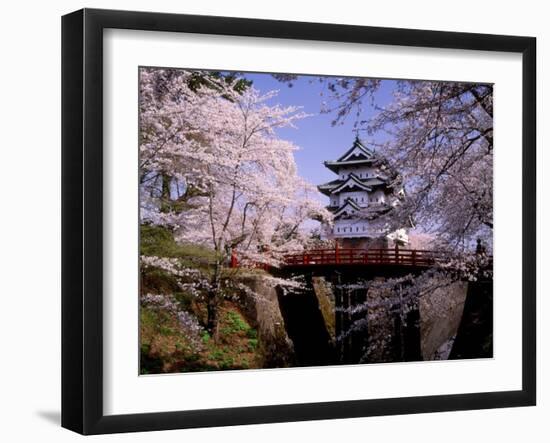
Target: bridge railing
{"type": "Point", "coordinates": [411, 257]}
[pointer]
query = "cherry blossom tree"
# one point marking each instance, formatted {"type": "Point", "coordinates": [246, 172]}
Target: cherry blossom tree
{"type": "Point", "coordinates": [441, 139]}
{"type": "Point", "coordinates": [214, 170]}
{"type": "Point", "coordinates": [170, 128]}
{"type": "Point", "coordinates": [439, 136]}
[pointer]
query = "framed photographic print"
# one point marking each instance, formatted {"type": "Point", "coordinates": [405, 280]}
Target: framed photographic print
{"type": "Point", "coordinates": [270, 221]}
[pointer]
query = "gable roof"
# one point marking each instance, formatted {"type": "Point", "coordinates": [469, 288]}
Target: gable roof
{"type": "Point", "coordinates": [372, 182]}
{"type": "Point", "coordinates": [358, 151]}
{"type": "Point", "coordinates": [349, 203]}
{"type": "Point", "coordinates": [351, 181]}
{"type": "Point", "coordinates": [335, 165]}
{"type": "Point", "coordinates": [325, 188]}
{"type": "Point", "coordinates": [375, 181]}
{"type": "Point", "coordinates": [358, 154]}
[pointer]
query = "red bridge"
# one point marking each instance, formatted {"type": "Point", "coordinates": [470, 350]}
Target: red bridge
{"type": "Point", "coordinates": [350, 256]}
{"type": "Point", "coordinates": [345, 256]}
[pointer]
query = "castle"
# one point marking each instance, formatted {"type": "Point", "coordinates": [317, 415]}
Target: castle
{"type": "Point", "coordinates": [363, 190]}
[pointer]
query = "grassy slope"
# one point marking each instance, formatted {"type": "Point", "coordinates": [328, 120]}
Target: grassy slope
{"type": "Point", "coordinates": [164, 348]}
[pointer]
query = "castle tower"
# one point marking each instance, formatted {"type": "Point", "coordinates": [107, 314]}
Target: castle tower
{"type": "Point", "coordinates": [362, 190]}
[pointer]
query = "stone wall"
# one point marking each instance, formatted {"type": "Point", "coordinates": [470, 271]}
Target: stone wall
{"type": "Point", "coordinates": [426, 332]}
{"type": "Point", "coordinates": [325, 298]}
{"type": "Point", "coordinates": [440, 316]}
{"type": "Point", "coordinates": [423, 330]}
{"type": "Point", "coordinates": [261, 308]}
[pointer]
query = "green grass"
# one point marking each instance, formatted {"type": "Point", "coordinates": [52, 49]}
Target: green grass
{"type": "Point", "coordinates": [159, 241]}
{"type": "Point", "coordinates": [164, 348]}
{"type": "Point", "coordinates": [252, 344]}
{"type": "Point", "coordinates": [235, 323]}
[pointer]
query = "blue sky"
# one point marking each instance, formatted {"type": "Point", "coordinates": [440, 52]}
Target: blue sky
{"type": "Point", "coordinates": [317, 138]}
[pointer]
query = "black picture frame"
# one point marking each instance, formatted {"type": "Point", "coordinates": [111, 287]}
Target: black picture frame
{"type": "Point", "coordinates": [82, 218]}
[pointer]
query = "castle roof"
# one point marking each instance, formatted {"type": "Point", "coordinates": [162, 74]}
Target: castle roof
{"type": "Point", "coordinates": [365, 184]}
{"type": "Point", "coordinates": [357, 155]}
{"type": "Point", "coordinates": [351, 182]}
{"type": "Point", "coordinates": [349, 203]}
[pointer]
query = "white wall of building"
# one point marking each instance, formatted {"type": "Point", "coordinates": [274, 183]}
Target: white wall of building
{"type": "Point", "coordinates": [359, 197]}
{"type": "Point", "coordinates": [351, 228]}
{"type": "Point", "coordinates": [359, 171]}
{"type": "Point", "coordinates": [362, 198]}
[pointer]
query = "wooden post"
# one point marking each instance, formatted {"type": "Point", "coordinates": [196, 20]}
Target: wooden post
{"type": "Point", "coordinates": [336, 253]}
{"type": "Point", "coordinates": [234, 260]}
{"type": "Point", "coordinates": [414, 257]}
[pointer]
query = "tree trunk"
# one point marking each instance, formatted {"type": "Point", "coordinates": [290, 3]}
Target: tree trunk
{"type": "Point", "coordinates": [165, 194]}
{"type": "Point", "coordinates": [212, 311]}
{"type": "Point", "coordinates": [213, 303]}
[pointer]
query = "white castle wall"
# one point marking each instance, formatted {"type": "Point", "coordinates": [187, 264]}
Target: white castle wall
{"type": "Point", "coordinates": [359, 171]}
{"type": "Point", "coordinates": [360, 197]}
{"type": "Point", "coordinates": [351, 228]}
